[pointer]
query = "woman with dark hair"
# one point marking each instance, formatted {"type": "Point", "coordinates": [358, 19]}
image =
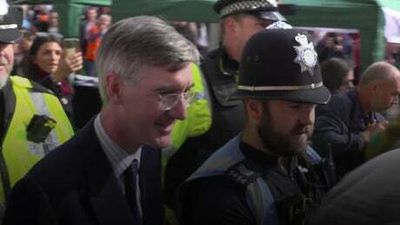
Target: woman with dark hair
{"type": "Point", "coordinates": [337, 75]}
{"type": "Point", "coordinates": [50, 66]}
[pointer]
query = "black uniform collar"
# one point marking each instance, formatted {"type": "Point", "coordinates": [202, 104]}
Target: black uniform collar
{"type": "Point", "coordinates": [7, 99]}
{"type": "Point", "coordinates": [259, 157]}
{"type": "Point", "coordinates": [263, 160]}
{"type": "Point", "coordinates": [227, 65]}
{"type": "Point", "coordinates": [2, 108]}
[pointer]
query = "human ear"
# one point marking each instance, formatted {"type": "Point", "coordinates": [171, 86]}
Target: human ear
{"type": "Point", "coordinates": [254, 109]}
{"type": "Point", "coordinates": [113, 88]}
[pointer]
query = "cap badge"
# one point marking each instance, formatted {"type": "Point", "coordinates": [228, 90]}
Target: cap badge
{"type": "Point", "coordinates": [3, 7]}
{"type": "Point", "coordinates": [306, 56]}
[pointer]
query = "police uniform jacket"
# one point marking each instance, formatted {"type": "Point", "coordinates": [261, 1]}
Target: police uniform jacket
{"type": "Point", "coordinates": [211, 197]}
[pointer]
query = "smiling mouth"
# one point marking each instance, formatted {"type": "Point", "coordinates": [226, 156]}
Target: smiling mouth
{"type": "Point", "coordinates": [165, 129]}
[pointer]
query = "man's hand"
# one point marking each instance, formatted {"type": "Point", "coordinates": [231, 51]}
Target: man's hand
{"type": "Point", "coordinates": [68, 64]}
{"type": "Point", "coordinates": [374, 128]}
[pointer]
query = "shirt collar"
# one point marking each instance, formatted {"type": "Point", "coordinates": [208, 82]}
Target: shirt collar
{"type": "Point", "coordinates": [118, 157]}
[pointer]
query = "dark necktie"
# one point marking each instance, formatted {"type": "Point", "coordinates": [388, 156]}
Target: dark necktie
{"type": "Point", "coordinates": [130, 176]}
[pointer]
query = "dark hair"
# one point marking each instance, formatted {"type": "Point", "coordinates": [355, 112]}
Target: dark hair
{"type": "Point", "coordinates": [31, 70]}
{"type": "Point", "coordinates": [333, 71]}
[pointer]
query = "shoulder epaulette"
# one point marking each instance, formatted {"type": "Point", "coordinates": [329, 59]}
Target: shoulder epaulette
{"type": "Point", "coordinates": [258, 194]}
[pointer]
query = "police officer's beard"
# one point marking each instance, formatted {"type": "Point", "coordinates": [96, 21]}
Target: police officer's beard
{"type": "Point", "coordinates": [283, 144]}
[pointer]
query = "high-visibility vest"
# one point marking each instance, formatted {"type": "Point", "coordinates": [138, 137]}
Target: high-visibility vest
{"type": "Point", "coordinates": [18, 154]}
{"type": "Point", "coordinates": [198, 118]}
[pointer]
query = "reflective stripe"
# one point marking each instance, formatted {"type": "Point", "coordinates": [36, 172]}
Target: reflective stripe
{"type": "Point", "coordinates": [41, 107]}
{"type": "Point", "coordinates": [280, 88]}
{"type": "Point", "coordinates": [8, 26]}
{"type": "Point", "coordinates": [18, 154]}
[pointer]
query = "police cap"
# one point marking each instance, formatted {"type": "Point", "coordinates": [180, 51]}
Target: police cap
{"type": "Point", "coordinates": [264, 9]}
{"type": "Point", "coordinates": [281, 64]}
{"type": "Point", "coordinates": [9, 32]}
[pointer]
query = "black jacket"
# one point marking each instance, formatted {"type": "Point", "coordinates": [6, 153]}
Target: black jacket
{"type": "Point", "coordinates": [75, 184]}
{"type": "Point", "coordinates": [367, 196]}
{"type": "Point", "coordinates": [340, 124]}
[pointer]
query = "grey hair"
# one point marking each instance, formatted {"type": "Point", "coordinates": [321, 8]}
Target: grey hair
{"type": "Point", "coordinates": [378, 71]}
{"type": "Point", "coordinates": [144, 41]}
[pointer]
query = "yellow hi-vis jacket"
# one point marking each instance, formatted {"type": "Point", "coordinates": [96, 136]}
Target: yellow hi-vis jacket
{"type": "Point", "coordinates": [18, 154]}
{"type": "Point", "coordinates": [198, 117]}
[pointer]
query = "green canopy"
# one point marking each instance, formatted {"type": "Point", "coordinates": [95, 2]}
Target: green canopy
{"type": "Point", "coordinates": [70, 12]}
{"type": "Point", "coordinates": [189, 10]}
{"type": "Point", "coordinates": [365, 16]}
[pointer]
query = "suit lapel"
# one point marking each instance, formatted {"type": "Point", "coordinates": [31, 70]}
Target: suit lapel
{"type": "Point", "coordinates": [106, 197]}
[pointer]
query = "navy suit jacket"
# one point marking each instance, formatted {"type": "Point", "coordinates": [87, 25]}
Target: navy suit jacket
{"type": "Point", "coordinates": [75, 184]}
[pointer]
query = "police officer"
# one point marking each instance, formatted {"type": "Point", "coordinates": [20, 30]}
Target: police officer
{"type": "Point", "coordinates": [32, 120]}
{"type": "Point", "coordinates": [265, 175]}
{"type": "Point", "coordinates": [240, 19]}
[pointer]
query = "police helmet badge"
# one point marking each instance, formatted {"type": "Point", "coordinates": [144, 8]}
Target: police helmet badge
{"type": "Point", "coordinates": [306, 57]}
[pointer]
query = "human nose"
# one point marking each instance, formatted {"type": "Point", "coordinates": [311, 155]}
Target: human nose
{"type": "Point", "coordinates": [54, 56]}
{"type": "Point", "coordinates": [307, 115]}
{"type": "Point", "coordinates": [179, 111]}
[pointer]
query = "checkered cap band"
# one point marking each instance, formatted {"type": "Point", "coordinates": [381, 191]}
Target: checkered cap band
{"type": "Point", "coordinates": [246, 6]}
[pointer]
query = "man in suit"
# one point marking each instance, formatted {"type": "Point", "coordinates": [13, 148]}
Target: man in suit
{"type": "Point", "coordinates": [145, 76]}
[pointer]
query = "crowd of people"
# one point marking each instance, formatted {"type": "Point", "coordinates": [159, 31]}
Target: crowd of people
{"type": "Point", "coordinates": [270, 128]}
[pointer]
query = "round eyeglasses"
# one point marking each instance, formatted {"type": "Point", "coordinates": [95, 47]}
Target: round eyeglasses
{"type": "Point", "coordinates": [169, 101]}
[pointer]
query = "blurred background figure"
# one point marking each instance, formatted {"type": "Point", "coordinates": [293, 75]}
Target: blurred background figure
{"type": "Point", "coordinates": [333, 45]}
{"type": "Point", "coordinates": [193, 32]}
{"type": "Point", "coordinates": [86, 25]}
{"type": "Point", "coordinates": [48, 65]}
{"type": "Point", "coordinates": [53, 22]}
{"type": "Point", "coordinates": [21, 51]}
{"type": "Point", "coordinates": [93, 40]}
{"type": "Point", "coordinates": [337, 75]}
{"type": "Point", "coordinates": [346, 124]}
